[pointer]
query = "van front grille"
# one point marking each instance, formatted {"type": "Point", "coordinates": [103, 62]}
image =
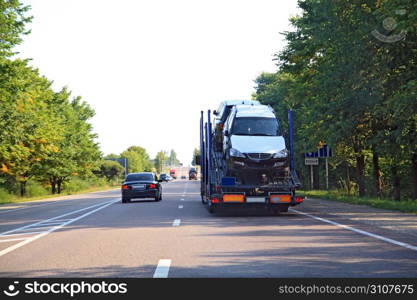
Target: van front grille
{"type": "Point", "coordinates": [261, 156]}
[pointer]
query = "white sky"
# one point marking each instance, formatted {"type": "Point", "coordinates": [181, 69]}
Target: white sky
{"type": "Point", "coordinates": [149, 67]}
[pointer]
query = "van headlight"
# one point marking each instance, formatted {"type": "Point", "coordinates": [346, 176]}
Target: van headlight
{"type": "Point", "coordinates": [281, 154]}
{"type": "Point", "coordinates": [235, 153]}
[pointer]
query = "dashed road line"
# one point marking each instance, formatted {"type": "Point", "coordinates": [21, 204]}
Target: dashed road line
{"type": "Point", "coordinates": [376, 236]}
{"type": "Point", "coordinates": [180, 206]}
{"type": "Point", "coordinates": [162, 269]}
{"type": "Point", "coordinates": [176, 222]}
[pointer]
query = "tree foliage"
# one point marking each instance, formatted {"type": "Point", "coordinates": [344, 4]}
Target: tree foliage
{"type": "Point", "coordinates": [12, 25]}
{"type": "Point", "coordinates": [44, 135]}
{"type": "Point", "coordinates": [111, 170]}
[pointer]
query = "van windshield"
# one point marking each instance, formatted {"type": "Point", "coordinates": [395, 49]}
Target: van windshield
{"type": "Point", "coordinates": [255, 126]}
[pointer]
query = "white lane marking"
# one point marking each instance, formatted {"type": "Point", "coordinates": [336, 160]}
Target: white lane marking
{"type": "Point", "coordinates": [11, 240]}
{"type": "Point", "coordinates": [176, 222]}
{"type": "Point", "coordinates": [180, 206]}
{"type": "Point", "coordinates": [36, 202]}
{"type": "Point", "coordinates": [182, 199]}
{"type": "Point", "coordinates": [162, 269]}
{"type": "Point", "coordinates": [31, 239]}
{"type": "Point", "coordinates": [23, 233]}
{"type": "Point", "coordinates": [376, 236]}
{"type": "Point", "coordinates": [182, 194]}
{"type": "Point", "coordinates": [56, 221]}
{"type": "Point", "coordinates": [54, 218]}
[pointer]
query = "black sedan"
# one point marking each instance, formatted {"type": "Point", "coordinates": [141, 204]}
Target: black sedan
{"type": "Point", "coordinates": [141, 185]}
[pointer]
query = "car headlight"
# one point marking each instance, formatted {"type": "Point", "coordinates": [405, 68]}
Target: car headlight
{"type": "Point", "coordinates": [281, 154]}
{"type": "Point", "coordinates": [235, 153]}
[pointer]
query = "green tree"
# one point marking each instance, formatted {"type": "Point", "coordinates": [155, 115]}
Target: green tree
{"type": "Point", "coordinates": [172, 159]}
{"type": "Point", "coordinates": [196, 152]}
{"type": "Point", "coordinates": [160, 160]}
{"type": "Point", "coordinates": [78, 154]}
{"type": "Point", "coordinates": [138, 159]}
{"type": "Point", "coordinates": [111, 170]}
{"type": "Point", "coordinates": [13, 20]}
{"type": "Point", "coordinates": [29, 131]}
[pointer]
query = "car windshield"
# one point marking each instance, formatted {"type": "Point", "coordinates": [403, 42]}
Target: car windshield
{"type": "Point", "coordinates": [255, 126]}
{"type": "Point", "coordinates": [138, 177]}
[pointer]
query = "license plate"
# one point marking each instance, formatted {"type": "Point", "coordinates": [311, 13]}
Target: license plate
{"type": "Point", "coordinates": [138, 186]}
{"type": "Point", "coordinates": [255, 199]}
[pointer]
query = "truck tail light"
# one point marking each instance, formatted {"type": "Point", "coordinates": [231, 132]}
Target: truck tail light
{"type": "Point", "coordinates": [299, 199]}
{"type": "Point", "coordinates": [125, 187]}
{"type": "Point", "coordinates": [215, 200]}
{"type": "Point", "coordinates": [233, 198]}
{"type": "Point", "coordinates": [280, 198]}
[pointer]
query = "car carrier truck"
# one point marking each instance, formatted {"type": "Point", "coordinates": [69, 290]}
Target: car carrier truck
{"type": "Point", "coordinates": [220, 191]}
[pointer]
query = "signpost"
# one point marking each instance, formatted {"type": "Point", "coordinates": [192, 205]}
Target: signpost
{"type": "Point", "coordinates": [312, 159]}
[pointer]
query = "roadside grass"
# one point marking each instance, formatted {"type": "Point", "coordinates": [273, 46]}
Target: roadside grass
{"type": "Point", "coordinates": [405, 205]}
{"type": "Point", "coordinates": [6, 198]}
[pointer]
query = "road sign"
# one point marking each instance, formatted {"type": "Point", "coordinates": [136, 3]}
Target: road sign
{"type": "Point", "coordinates": [311, 161]}
{"type": "Point", "coordinates": [324, 151]}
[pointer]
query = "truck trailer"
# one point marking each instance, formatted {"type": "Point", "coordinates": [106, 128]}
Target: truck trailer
{"type": "Point", "coordinates": [220, 191]}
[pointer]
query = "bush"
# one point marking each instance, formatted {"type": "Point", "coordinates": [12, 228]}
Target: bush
{"type": "Point", "coordinates": [34, 189]}
{"type": "Point", "coordinates": [75, 185]}
{"type": "Point", "coordinates": [5, 196]}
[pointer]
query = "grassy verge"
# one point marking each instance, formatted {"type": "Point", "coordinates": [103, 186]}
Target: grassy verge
{"type": "Point", "coordinates": [409, 206]}
{"type": "Point", "coordinates": [18, 199]}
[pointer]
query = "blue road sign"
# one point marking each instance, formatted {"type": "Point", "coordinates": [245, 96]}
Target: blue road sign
{"type": "Point", "coordinates": [324, 151]}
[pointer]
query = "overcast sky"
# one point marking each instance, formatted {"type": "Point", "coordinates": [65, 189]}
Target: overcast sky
{"type": "Point", "coordinates": [149, 67]}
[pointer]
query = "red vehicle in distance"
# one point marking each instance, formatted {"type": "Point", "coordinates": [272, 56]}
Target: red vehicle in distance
{"type": "Point", "coordinates": [173, 173]}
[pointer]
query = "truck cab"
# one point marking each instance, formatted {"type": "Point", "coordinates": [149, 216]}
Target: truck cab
{"type": "Point", "coordinates": [173, 173]}
{"type": "Point", "coordinates": [253, 146]}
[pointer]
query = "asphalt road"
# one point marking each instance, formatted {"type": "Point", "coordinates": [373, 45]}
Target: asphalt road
{"type": "Point", "coordinates": [95, 235]}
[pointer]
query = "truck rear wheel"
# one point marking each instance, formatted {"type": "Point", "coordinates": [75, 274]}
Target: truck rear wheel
{"type": "Point", "coordinates": [284, 209]}
{"type": "Point", "coordinates": [211, 209]}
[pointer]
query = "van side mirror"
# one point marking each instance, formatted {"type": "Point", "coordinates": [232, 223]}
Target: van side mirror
{"type": "Point", "coordinates": [215, 112]}
{"type": "Point", "coordinates": [197, 160]}
{"type": "Point", "coordinates": [226, 132]}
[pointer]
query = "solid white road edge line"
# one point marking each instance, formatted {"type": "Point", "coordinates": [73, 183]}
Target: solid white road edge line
{"type": "Point", "coordinates": [162, 269]}
{"type": "Point", "coordinates": [376, 236]}
{"type": "Point", "coordinates": [11, 240]}
{"type": "Point", "coordinates": [176, 222]}
{"type": "Point", "coordinates": [29, 240]}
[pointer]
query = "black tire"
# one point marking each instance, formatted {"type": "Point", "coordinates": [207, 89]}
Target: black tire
{"type": "Point", "coordinates": [160, 197]}
{"type": "Point", "coordinates": [211, 209]}
{"type": "Point", "coordinates": [125, 200]}
{"type": "Point", "coordinates": [284, 209]}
